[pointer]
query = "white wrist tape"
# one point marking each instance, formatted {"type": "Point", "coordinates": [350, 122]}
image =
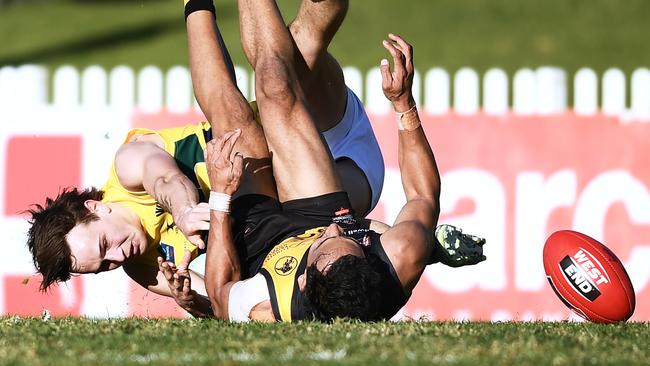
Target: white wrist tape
{"type": "Point", "coordinates": [409, 120]}
{"type": "Point", "coordinates": [219, 202]}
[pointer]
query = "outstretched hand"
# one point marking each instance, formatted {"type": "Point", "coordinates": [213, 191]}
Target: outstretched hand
{"type": "Point", "coordinates": [179, 281]}
{"type": "Point", "coordinates": [224, 172]}
{"type": "Point", "coordinates": [397, 84]}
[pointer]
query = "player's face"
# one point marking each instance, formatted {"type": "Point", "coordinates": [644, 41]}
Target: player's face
{"type": "Point", "coordinates": [106, 243]}
{"type": "Point", "coordinates": [331, 246]}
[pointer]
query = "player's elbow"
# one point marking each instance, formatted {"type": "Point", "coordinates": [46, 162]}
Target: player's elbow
{"type": "Point", "coordinates": [413, 248]}
{"type": "Point", "coordinates": [214, 294]}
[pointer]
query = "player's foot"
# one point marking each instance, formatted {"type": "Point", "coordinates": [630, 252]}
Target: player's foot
{"type": "Point", "coordinates": [456, 249]}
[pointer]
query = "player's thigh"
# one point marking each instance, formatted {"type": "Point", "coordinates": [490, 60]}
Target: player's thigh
{"type": "Point", "coordinates": [302, 163]}
{"type": "Point", "coordinates": [325, 92]}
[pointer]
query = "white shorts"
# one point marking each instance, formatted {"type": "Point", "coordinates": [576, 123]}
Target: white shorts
{"type": "Point", "coordinates": [353, 138]}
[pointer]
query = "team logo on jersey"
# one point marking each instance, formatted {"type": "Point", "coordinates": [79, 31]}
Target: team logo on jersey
{"type": "Point", "coordinates": [169, 226]}
{"type": "Point", "coordinates": [159, 210]}
{"type": "Point", "coordinates": [342, 211]}
{"type": "Point", "coordinates": [359, 235]}
{"type": "Point", "coordinates": [167, 252]}
{"type": "Point", "coordinates": [343, 216]}
{"type": "Point", "coordinates": [285, 265]}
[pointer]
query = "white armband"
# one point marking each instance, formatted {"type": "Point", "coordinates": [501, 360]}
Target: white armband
{"type": "Point", "coordinates": [219, 202]}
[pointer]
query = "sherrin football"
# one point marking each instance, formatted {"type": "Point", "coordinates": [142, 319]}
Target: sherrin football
{"type": "Point", "coordinates": [588, 277]}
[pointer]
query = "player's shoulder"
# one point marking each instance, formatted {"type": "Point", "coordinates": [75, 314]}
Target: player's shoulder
{"type": "Point", "coordinates": [151, 138]}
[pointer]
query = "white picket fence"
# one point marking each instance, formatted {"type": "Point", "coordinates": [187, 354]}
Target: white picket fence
{"type": "Point", "coordinates": [542, 91]}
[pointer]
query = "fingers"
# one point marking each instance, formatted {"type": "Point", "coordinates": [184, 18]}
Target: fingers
{"type": "Point", "coordinates": [201, 208]}
{"type": "Point", "coordinates": [386, 76]}
{"type": "Point", "coordinates": [398, 58]}
{"type": "Point", "coordinates": [222, 146]}
{"type": "Point", "coordinates": [229, 144]}
{"type": "Point", "coordinates": [200, 225]}
{"type": "Point", "coordinates": [397, 54]}
{"type": "Point", "coordinates": [165, 269]}
{"type": "Point", "coordinates": [187, 287]}
{"type": "Point", "coordinates": [404, 47]}
{"type": "Point", "coordinates": [185, 262]}
{"type": "Point", "coordinates": [196, 240]}
{"type": "Point", "coordinates": [216, 145]}
{"type": "Point", "coordinates": [177, 283]}
{"type": "Point", "coordinates": [237, 166]}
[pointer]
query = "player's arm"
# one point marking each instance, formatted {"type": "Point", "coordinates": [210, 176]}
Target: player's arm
{"type": "Point", "coordinates": [167, 281]}
{"type": "Point", "coordinates": [143, 164]}
{"type": "Point", "coordinates": [407, 243]}
{"type": "Point", "coordinates": [209, 59]}
{"type": "Point", "coordinates": [418, 169]}
{"type": "Point", "coordinates": [222, 267]}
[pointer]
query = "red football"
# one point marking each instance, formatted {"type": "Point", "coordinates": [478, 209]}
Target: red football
{"type": "Point", "coordinates": [588, 277]}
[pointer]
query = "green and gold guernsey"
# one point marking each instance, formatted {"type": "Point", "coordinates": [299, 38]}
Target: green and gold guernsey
{"type": "Point", "coordinates": [282, 267]}
{"type": "Point", "coordinates": [186, 144]}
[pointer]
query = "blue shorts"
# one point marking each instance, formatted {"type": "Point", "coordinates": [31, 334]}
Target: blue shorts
{"type": "Point", "coordinates": [353, 138]}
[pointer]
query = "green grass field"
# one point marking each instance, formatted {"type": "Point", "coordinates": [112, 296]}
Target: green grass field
{"type": "Point", "coordinates": [199, 342]}
{"type": "Point", "coordinates": [449, 33]}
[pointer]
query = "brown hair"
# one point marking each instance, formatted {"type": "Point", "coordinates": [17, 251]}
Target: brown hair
{"type": "Point", "coordinates": [50, 225]}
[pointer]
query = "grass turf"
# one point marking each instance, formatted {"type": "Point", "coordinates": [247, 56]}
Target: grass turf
{"type": "Point", "coordinates": [448, 33]}
{"type": "Point", "coordinates": [30, 341]}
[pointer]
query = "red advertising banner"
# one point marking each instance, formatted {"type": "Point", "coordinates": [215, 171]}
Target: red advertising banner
{"type": "Point", "coordinates": [513, 180]}
{"type": "Point", "coordinates": [516, 180]}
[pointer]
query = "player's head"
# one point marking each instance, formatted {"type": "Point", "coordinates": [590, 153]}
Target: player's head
{"type": "Point", "coordinates": [339, 281]}
{"type": "Point", "coordinates": [77, 233]}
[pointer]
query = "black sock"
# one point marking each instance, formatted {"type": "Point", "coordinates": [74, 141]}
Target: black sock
{"type": "Point", "coordinates": [196, 5]}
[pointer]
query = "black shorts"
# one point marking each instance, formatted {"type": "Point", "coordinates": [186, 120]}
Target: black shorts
{"type": "Point", "coordinates": [261, 222]}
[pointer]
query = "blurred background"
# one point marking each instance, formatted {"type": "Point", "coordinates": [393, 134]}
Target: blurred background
{"type": "Point", "coordinates": [537, 110]}
{"type": "Point", "coordinates": [448, 33]}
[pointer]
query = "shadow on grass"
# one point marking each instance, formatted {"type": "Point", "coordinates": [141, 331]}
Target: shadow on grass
{"type": "Point", "coordinates": [94, 42]}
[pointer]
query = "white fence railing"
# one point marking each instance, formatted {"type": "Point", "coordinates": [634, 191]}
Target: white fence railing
{"type": "Point", "coordinates": [542, 91]}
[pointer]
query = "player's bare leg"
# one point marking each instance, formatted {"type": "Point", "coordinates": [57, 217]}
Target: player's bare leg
{"type": "Point", "coordinates": [319, 73]}
{"type": "Point", "coordinates": [223, 104]}
{"type": "Point", "coordinates": [289, 126]}
{"type": "Point", "coordinates": [322, 80]}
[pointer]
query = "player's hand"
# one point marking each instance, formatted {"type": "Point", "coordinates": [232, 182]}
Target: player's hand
{"type": "Point", "coordinates": [193, 221]}
{"type": "Point", "coordinates": [397, 84]}
{"type": "Point", "coordinates": [179, 281]}
{"type": "Point", "coordinates": [224, 168]}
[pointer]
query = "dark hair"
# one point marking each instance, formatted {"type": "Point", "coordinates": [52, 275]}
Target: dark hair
{"type": "Point", "coordinates": [349, 289]}
{"type": "Point", "coordinates": [50, 224]}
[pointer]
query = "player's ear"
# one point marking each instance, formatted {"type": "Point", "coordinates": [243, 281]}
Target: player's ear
{"type": "Point", "coordinates": [96, 206]}
{"type": "Point", "coordinates": [302, 282]}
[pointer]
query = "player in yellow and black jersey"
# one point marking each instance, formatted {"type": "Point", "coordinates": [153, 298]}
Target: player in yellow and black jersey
{"type": "Point", "coordinates": [312, 263]}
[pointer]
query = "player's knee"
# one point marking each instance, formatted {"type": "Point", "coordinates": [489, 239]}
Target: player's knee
{"type": "Point", "coordinates": [275, 82]}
